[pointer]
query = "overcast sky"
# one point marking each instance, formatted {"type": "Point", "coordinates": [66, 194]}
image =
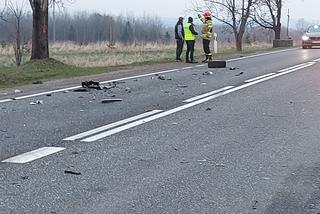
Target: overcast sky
{"type": "Point", "coordinates": [308, 9]}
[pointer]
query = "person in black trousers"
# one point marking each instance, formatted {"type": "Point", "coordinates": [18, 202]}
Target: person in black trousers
{"type": "Point", "coordinates": [179, 34]}
{"type": "Point", "coordinates": [190, 37]}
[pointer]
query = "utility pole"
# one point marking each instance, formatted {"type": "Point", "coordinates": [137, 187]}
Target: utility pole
{"type": "Point", "coordinates": [54, 19]}
{"type": "Point", "coordinates": [288, 23]}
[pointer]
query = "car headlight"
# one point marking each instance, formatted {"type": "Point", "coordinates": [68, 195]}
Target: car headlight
{"type": "Point", "coordinates": [305, 38]}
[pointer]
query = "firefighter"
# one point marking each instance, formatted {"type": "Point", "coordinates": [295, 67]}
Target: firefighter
{"type": "Point", "coordinates": [190, 37]}
{"type": "Point", "coordinates": [179, 34]}
{"type": "Point", "coordinates": [206, 34]}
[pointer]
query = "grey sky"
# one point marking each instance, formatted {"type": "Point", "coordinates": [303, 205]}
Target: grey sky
{"type": "Point", "coordinates": [308, 9]}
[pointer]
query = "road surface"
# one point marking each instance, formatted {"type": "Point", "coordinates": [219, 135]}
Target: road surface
{"type": "Point", "coordinates": [187, 140]}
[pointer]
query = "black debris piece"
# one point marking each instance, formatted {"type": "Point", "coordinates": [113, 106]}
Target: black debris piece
{"type": "Point", "coordinates": [72, 172]}
{"type": "Point", "coordinates": [38, 82]}
{"type": "Point", "coordinates": [162, 77]}
{"type": "Point", "coordinates": [182, 86]}
{"type": "Point", "coordinates": [239, 74]}
{"type": "Point", "coordinates": [208, 109]}
{"type": "Point", "coordinates": [217, 64]}
{"type": "Point", "coordinates": [81, 90]}
{"type": "Point", "coordinates": [48, 95]}
{"type": "Point", "coordinates": [233, 68]}
{"type": "Point", "coordinates": [91, 84]}
{"type": "Point", "coordinates": [111, 100]}
{"type": "Point", "coordinates": [254, 206]}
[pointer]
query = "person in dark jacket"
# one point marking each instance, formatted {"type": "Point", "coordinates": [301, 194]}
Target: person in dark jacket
{"type": "Point", "coordinates": [179, 34]}
{"type": "Point", "coordinates": [190, 36]}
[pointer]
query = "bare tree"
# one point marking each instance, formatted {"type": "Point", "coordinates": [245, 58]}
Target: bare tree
{"type": "Point", "coordinates": [17, 11]}
{"type": "Point", "coordinates": [3, 7]}
{"type": "Point", "coordinates": [233, 13]}
{"type": "Point", "coordinates": [267, 14]}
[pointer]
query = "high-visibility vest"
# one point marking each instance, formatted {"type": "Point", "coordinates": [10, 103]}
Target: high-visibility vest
{"type": "Point", "coordinates": [188, 35]}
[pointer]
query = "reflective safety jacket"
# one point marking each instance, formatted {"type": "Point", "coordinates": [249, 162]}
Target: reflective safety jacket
{"type": "Point", "coordinates": [206, 32]}
{"type": "Point", "coordinates": [189, 33]}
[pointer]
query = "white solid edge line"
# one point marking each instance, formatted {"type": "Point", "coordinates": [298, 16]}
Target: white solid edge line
{"type": "Point", "coordinates": [186, 68]}
{"type": "Point", "coordinates": [33, 155]}
{"type": "Point", "coordinates": [259, 77]}
{"type": "Point", "coordinates": [180, 108]}
{"type": "Point", "coordinates": [112, 125]}
{"type": "Point", "coordinates": [138, 76]}
{"type": "Point", "coordinates": [262, 54]}
{"type": "Point", "coordinates": [4, 101]}
{"type": "Point", "coordinates": [207, 94]}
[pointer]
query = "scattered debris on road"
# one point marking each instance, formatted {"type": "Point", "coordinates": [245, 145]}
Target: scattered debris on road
{"type": "Point", "coordinates": [91, 84]}
{"type": "Point", "coordinates": [204, 83]}
{"type": "Point", "coordinates": [182, 86]}
{"type": "Point", "coordinates": [254, 206]}
{"type": "Point", "coordinates": [110, 86]}
{"type": "Point", "coordinates": [72, 172]}
{"type": "Point", "coordinates": [266, 178]}
{"type": "Point", "coordinates": [111, 100]}
{"type": "Point", "coordinates": [217, 64]}
{"type": "Point", "coordinates": [220, 165]}
{"type": "Point", "coordinates": [81, 90]}
{"type": "Point", "coordinates": [24, 177]}
{"type": "Point", "coordinates": [162, 77]}
{"type": "Point", "coordinates": [208, 73]}
{"type": "Point", "coordinates": [48, 95]}
{"type": "Point", "coordinates": [17, 91]}
{"type": "Point", "coordinates": [233, 68]}
{"type": "Point", "coordinates": [184, 161]}
{"type": "Point", "coordinates": [38, 102]}
{"type": "Point", "coordinates": [208, 109]}
{"type": "Point", "coordinates": [239, 74]}
{"type": "Point", "coordinates": [38, 82]}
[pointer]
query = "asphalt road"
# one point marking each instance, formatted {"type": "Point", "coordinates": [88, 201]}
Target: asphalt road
{"type": "Point", "coordinates": [249, 146]}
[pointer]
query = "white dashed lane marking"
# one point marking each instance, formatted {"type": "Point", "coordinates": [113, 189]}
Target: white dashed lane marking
{"type": "Point", "coordinates": [33, 155]}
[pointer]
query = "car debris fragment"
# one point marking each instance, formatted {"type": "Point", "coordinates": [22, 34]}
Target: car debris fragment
{"type": "Point", "coordinates": [81, 90]}
{"type": "Point", "coordinates": [239, 74]}
{"type": "Point", "coordinates": [91, 84]}
{"type": "Point", "coordinates": [182, 86]}
{"type": "Point", "coordinates": [38, 102]}
{"type": "Point", "coordinates": [162, 77]}
{"type": "Point", "coordinates": [111, 100]}
{"type": "Point", "coordinates": [38, 82]}
{"type": "Point", "coordinates": [208, 73]}
{"type": "Point", "coordinates": [72, 172]}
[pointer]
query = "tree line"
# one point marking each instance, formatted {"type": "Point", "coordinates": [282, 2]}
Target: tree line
{"type": "Point", "coordinates": [83, 28]}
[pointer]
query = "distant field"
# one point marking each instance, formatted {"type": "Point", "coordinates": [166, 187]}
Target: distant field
{"type": "Point", "coordinates": [101, 55]}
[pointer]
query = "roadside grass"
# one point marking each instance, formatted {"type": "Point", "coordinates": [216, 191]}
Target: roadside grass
{"type": "Point", "coordinates": [71, 60]}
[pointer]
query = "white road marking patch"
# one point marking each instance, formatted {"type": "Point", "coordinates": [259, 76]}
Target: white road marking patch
{"type": "Point", "coordinates": [296, 66]}
{"type": "Point", "coordinates": [138, 76]}
{"type": "Point", "coordinates": [207, 94]}
{"type": "Point", "coordinates": [260, 77]}
{"type": "Point", "coordinates": [189, 105]}
{"type": "Point", "coordinates": [112, 125]}
{"type": "Point", "coordinates": [33, 155]}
